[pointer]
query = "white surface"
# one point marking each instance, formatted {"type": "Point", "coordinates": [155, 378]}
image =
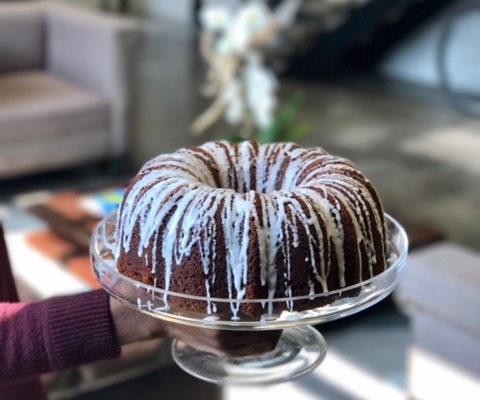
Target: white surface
{"type": "Point", "coordinates": [43, 276]}
{"type": "Point", "coordinates": [455, 345]}
{"type": "Point", "coordinates": [433, 378]}
{"type": "Point", "coordinates": [444, 280]}
{"type": "Point", "coordinates": [441, 291]}
{"type": "Point", "coordinates": [336, 378]}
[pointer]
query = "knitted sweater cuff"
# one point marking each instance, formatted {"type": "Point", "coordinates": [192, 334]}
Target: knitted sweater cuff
{"type": "Point", "coordinates": [80, 329]}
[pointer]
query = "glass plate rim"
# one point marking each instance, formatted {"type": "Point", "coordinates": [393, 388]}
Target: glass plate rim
{"type": "Point", "coordinates": [397, 263]}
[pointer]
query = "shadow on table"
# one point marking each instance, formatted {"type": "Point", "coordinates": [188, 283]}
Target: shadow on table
{"type": "Point", "coordinates": [166, 383]}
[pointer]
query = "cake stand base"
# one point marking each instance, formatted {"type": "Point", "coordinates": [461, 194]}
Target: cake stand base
{"type": "Point", "coordinates": [299, 351]}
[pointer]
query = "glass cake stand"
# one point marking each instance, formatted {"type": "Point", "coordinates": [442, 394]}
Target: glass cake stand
{"type": "Point", "coordinates": [300, 349]}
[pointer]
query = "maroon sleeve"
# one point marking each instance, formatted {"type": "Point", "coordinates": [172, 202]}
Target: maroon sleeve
{"type": "Point", "coordinates": [54, 334]}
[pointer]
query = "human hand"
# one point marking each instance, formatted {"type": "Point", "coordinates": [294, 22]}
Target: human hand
{"type": "Point", "coordinates": [133, 326]}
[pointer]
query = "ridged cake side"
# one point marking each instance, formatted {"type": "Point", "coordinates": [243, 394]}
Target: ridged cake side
{"type": "Point", "coordinates": [243, 221]}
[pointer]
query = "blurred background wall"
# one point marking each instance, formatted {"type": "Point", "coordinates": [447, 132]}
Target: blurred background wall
{"type": "Point", "coordinates": [169, 59]}
{"type": "Point", "coordinates": [415, 60]}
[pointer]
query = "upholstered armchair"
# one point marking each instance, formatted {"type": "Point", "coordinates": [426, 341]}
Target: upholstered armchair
{"type": "Point", "coordinates": [65, 86]}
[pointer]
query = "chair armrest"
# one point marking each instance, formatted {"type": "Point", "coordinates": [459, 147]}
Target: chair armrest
{"type": "Point", "coordinates": [95, 51]}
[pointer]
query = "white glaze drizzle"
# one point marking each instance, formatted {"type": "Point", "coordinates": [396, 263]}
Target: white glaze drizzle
{"type": "Point", "coordinates": [176, 200]}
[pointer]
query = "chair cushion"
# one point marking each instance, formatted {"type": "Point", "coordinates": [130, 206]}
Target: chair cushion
{"type": "Point", "coordinates": [47, 119]}
{"type": "Point", "coordinates": [34, 104]}
{"type": "Point", "coordinates": [22, 36]}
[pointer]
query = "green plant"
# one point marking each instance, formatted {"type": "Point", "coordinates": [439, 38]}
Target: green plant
{"type": "Point", "coordinates": [285, 127]}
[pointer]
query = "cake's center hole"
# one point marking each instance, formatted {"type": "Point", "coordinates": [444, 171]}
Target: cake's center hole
{"type": "Point", "coordinates": [259, 178]}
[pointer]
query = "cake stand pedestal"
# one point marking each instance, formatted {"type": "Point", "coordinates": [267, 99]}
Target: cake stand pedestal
{"type": "Point", "coordinates": [300, 348]}
{"type": "Point", "coordinates": [298, 351]}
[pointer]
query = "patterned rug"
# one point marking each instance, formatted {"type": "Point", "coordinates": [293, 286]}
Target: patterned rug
{"type": "Point", "coordinates": [70, 218]}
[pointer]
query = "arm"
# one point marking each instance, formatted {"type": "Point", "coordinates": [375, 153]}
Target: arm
{"type": "Point", "coordinates": [65, 332]}
{"type": "Point", "coordinates": [54, 334]}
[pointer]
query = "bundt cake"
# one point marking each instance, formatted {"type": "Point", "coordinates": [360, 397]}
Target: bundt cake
{"type": "Point", "coordinates": [250, 221]}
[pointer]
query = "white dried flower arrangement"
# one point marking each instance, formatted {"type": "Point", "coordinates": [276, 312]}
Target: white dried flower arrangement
{"type": "Point", "coordinates": [243, 88]}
